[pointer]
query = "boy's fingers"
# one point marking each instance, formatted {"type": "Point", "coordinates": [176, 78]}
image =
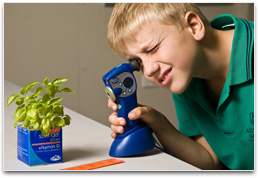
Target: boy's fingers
{"type": "Point", "coordinates": [117, 129]}
{"type": "Point", "coordinates": [115, 120]}
{"type": "Point", "coordinates": [113, 135]}
{"type": "Point", "coordinates": [112, 105]}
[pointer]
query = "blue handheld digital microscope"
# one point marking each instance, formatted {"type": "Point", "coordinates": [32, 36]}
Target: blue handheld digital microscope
{"type": "Point", "coordinates": [121, 87]}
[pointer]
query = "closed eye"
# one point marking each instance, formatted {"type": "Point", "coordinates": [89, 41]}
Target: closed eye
{"type": "Point", "coordinates": [153, 49]}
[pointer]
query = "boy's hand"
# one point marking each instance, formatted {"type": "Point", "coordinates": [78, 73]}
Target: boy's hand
{"type": "Point", "coordinates": [147, 115]}
{"type": "Point", "coordinates": [117, 123]}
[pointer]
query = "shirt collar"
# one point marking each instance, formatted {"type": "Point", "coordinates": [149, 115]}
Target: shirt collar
{"type": "Point", "coordinates": [241, 67]}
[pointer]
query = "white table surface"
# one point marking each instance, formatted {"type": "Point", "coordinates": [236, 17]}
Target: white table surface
{"type": "Point", "coordinates": [84, 141]}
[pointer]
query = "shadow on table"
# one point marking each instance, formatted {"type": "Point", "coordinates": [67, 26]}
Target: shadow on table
{"type": "Point", "coordinates": [147, 153]}
{"type": "Point", "coordinates": [78, 154]}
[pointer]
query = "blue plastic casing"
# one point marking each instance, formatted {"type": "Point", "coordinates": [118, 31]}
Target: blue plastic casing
{"type": "Point", "coordinates": [121, 87]}
{"type": "Point", "coordinates": [126, 101]}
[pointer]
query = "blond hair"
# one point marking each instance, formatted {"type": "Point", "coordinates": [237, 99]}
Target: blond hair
{"type": "Point", "coordinates": [127, 18]}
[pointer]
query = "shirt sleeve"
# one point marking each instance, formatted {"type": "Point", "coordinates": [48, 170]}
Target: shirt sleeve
{"type": "Point", "coordinates": [186, 124]}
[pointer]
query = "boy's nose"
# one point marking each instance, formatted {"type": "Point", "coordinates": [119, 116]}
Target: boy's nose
{"type": "Point", "coordinates": [150, 67]}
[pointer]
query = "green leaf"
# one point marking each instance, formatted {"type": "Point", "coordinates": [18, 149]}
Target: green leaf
{"type": "Point", "coordinates": [38, 91]}
{"type": "Point", "coordinates": [28, 106]}
{"type": "Point", "coordinates": [29, 86]}
{"type": "Point", "coordinates": [20, 101]}
{"type": "Point", "coordinates": [45, 98]}
{"type": "Point", "coordinates": [54, 120]}
{"type": "Point", "coordinates": [43, 111]}
{"type": "Point", "coordinates": [20, 115]}
{"type": "Point", "coordinates": [35, 125]}
{"type": "Point", "coordinates": [22, 91]}
{"type": "Point", "coordinates": [58, 110]}
{"type": "Point", "coordinates": [50, 114]}
{"type": "Point", "coordinates": [15, 124]}
{"type": "Point", "coordinates": [67, 90]}
{"type": "Point", "coordinates": [46, 81]}
{"type": "Point", "coordinates": [61, 122]}
{"type": "Point", "coordinates": [67, 119]}
{"type": "Point", "coordinates": [54, 101]}
{"type": "Point", "coordinates": [39, 99]}
{"type": "Point", "coordinates": [32, 115]}
{"type": "Point", "coordinates": [27, 98]}
{"type": "Point", "coordinates": [58, 86]}
{"type": "Point", "coordinates": [45, 132]}
{"type": "Point", "coordinates": [45, 126]}
{"type": "Point", "coordinates": [59, 80]}
{"type": "Point", "coordinates": [43, 120]}
{"type": "Point", "coordinates": [26, 123]}
{"type": "Point", "coordinates": [12, 98]}
{"type": "Point", "coordinates": [51, 90]}
{"type": "Point", "coordinates": [36, 105]}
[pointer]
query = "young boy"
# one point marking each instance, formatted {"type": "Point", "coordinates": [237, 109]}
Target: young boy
{"type": "Point", "coordinates": [209, 69]}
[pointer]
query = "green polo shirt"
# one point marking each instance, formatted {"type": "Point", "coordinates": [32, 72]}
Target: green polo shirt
{"type": "Point", "coordinates": [230, 128]}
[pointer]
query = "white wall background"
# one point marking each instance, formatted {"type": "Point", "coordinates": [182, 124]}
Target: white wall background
{"type": "Point", "coordinates": [69, 40]}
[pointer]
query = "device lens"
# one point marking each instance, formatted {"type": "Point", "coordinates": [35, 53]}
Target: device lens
{"type": "Point", "coordinates": [128, 82]}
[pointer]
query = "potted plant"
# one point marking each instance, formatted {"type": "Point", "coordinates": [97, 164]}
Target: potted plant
{"type": "Point", "coordinates": [39, 118]}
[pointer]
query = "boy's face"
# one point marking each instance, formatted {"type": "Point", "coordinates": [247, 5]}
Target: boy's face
{"type": "Point", "coordinates": [168, 58]}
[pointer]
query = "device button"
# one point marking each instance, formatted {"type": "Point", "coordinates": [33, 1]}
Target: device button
{"type": "Point", "coordinates": [124, 93]}
{"type": "Point", "coordinates": [120, 84]}
{"type": "Point", "coordinates": [129, 90]}
{"type": "Point", "coordinates": [115, 80]}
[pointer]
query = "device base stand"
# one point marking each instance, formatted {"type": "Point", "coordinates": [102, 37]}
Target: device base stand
{"type": "Point", "coordinates": [135, 141]}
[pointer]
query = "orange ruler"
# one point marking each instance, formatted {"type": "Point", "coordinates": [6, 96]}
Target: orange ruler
{"type": "Point", "coordinates": [96, 165]}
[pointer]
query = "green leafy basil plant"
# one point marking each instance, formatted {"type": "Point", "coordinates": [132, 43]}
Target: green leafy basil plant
{"type": "Point", "coordinates": [41, 111]}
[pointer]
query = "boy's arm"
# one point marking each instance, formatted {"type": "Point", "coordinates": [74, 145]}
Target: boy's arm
{"type": "Point", "coordinates": [195, 150]}
{"type": "Point", "coordinates": [203, 142]}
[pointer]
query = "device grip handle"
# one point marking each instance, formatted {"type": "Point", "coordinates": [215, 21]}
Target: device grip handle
{"type": "Point", "coordinates": [125, 105]}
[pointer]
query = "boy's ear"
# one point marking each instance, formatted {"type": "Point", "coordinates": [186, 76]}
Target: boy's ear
{"type": "Point", "coordinates": [195, 24]}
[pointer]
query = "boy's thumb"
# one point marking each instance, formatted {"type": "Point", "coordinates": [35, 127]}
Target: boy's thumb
{"type": "Point", "coordinates": [137, 113]}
